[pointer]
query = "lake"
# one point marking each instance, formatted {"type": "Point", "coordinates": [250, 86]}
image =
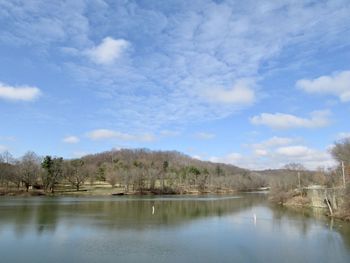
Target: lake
{"type": "Point", "coordinates": [242, 228]}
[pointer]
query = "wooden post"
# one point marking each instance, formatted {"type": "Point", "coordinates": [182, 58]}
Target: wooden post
{"type": "Point", "coordinates": [299, 181]}
{"type": "Point", "coordinates": [331, 224]}
{"type": "Point", "coordinates": [329, 206]}
{"type": "Point", "coordinates": [343, 170]}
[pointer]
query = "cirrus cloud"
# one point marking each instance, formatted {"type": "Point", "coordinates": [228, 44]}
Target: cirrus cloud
{"type": "Point", "coordinates": [191, 58]}
{"type": "Point", "coordinates": [240, 94]}
{"type": "Point", "coordinates": [105, 134]}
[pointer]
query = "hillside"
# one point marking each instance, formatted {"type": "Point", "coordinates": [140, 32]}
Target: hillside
{"type": "Point", "coordinates": [126, 171]}
{"type": "Point", "coordinates": [169, 171]}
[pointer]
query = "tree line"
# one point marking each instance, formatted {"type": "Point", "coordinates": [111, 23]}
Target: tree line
{"type": "Point", "coordinates": [142, 170]}
{"type": "Point", "coordinates": [138, 170]}
{"type": "Point", "coordinates": [289, 183]}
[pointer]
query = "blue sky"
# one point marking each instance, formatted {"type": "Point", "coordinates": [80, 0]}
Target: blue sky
{"type": "Point", "coordinates": [253, 83]}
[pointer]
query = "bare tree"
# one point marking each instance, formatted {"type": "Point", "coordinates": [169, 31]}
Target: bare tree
{"type": "Point", "coordinates": [7, 157]}
{"type": "Point", "coordinates": [29, 169]}
{"type": "Point", "coordinates": [75, 173]}
{"type": "Point", "coordinates": [144, 170]}
{"type": "Point", "coordinates": [341, 151]}
{"type": "Point", "coordinates": [111, 174]}
{"type": "Point", "coordinates": [9, 175]}
{"type": "Point", "coordinates": [294, 167]}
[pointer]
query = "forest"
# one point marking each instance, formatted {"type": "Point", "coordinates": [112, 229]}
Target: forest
{"type": "Point", "coordinates": [142, 171]}
{"type": "Point", "coordinates": [127, 171]}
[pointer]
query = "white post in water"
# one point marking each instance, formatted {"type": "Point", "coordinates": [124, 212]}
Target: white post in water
{"type": "Point", "coordinates": [343, 170]}
{"type": "Point", "coordinates": [152, 209]}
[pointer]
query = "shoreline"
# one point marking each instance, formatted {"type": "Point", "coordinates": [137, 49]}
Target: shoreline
{"type": "Point", "coordinates": [299, 202]}
{"type": "Point", "coordinates": [87, 193]}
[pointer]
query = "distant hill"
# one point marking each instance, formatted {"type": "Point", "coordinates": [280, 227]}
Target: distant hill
{"type": "Point", "coordinates": [176, 169]}
{"type": "Point", "coordinates": [157, 158]}
{"type": "Point", "coordinates": [144, 171]}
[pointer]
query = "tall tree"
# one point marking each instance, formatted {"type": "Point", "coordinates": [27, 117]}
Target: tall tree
{"type": "Point", "coordinates": [75, 173]}
{"type": "Point", "coordinates": [341, 151]}
{"type": "Point", "coordinates": [164, 172]}
{"type": "Point", "coordinates": [9, 174]}
{"type": "Point", "coordinates": [111, 174]}
{"type": "Point", "coordinates": [29, 169]}
{"type": "Point", "coordinates": [53, 172]}
{"type": "Point", "coordinates": [7, 157]}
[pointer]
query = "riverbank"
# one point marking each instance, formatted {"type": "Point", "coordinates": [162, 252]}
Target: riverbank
{"type": "Point", "coordinates": [335, 208]}
{"type": "Point", "coordinates": [109, 191]}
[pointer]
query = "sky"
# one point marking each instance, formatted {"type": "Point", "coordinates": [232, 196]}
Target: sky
{"type": "Point", "coordinates": [257, 84]}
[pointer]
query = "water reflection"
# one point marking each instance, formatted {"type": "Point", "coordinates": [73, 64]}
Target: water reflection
{"type": "Point", "coordinates": [118, 212]}
{"type": "Point", "coordinates": [167, 229]}
{"type": "Point", "coordinates": [304, 221]}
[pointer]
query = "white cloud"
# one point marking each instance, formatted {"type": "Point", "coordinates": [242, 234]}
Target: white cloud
{"type": "Point", "coordinates": [231, 158]}
{"type": "Point", "coordinates": [79, 154]}
{"type": "Point", "coordinates": [241, 94]}
{"type": "Point", "coordinates": [19, 93]}
{"type": "Point", "coordinates": [108, 51]}
{"type": "Point", "coordinates": [274, 141]}
{"type": "Point", "coordinates": [294, 151]}
{"type": "Point", "coordinates": [309, 157]}
{"type": "Point", "coordinates": [275, 152]}
{"type": "Point", "coordinates": [204, 136]}
{"type": "Point", "coordinates": [343, 135]}
{"type": "Point", "coordinates": [277, 157]}
{"type": "Point", "coordinates": [101, 134]}
{"type": "Point", "coordinates": [287, 121]}
{"type": "Point", "coordinates": [104, 134]}
{"type": "Point", "coordinates": [337, 84]}
{"type": "Point", "coordinates": [178, 55]}
{"type": "Point", "coordinates": [71, 139]}
{"type": "Point", "coordinates": [265, 147]}
{"type": "Point", "coordinates": [260, 152]}
{"type": "Point", "coordinates": [198, 157]}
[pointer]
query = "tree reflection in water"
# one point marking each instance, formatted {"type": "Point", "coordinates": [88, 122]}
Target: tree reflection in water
{"type": "Point", "coordinates": [47, 216]}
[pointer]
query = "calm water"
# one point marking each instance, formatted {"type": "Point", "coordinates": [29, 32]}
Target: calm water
{"type": "Point", "coordinates": [179, 229]}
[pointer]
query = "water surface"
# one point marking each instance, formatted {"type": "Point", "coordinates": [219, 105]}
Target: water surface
{"type": "Point", "coordinates": [242, 228]}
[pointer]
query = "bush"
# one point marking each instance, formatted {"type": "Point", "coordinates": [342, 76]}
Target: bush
{"type": "Point", "coordinates": [280, 195]}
